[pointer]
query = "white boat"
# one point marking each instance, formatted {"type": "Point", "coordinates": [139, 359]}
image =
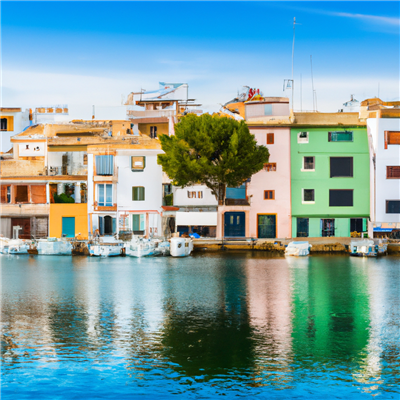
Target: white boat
{"type": "Point", "coordinates": [142, 247]}
{"type": "Point", "coordinates": [105, 250]}
{"type": "Point", "coordinates": [4, 245]}
{"type": "Point", "coordinates": [51, 247]}
{"type": "Point", "coordinates": [17, 246]}
{"type": "Point", "coordinates": [107, 246]}
{"type": "Point", "coordinates": [181, 247]}
{"type": "Point", "coordinates": [368, 247]}
{"type": "Point", "coordinates": [298, 249]}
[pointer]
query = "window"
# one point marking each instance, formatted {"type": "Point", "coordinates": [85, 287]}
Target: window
{"type": "Point", "coordinates": [391, 137]}
{"type": "Point", "coordinates": [309, 163]}
{"type": "Point", "coordinates": [191, 195]}
{"type": "Point", "coordinates": [302, 137]}
{"type": "Point", "coordinates": [85, 159]}
{"type": "Point", "coordinates": [105, 165]}
{"type": "Point", "coordinates": [270, 167]}
{"type": "Point", "coordinates": [393, 172]}
{"type": "Point", "coordinates": [341, 167]}
{"type": "Point", "coordinates": [392, 206]}
{"type": "Point", "coordinates": [105, 195]}
{"type": "Point", "coordinates": [345, 136]}
{"type": "Point", "coordinates": [22, 194]}
{"type": "Point", "coordinates": [153, 132]}
{"type": "Point", "coordinates": [308, 195]}
{"type": "Point", "coordinates": [138, 163]}
{"type": "Point", "coordinates": [38, 194]}
{"type": "Point", "coordinates": [137, 193]}
{"type": "Point", "coordinates": [340, 198]}
{"type": "Point", "coordinates": [5, 194]}
{"type": "Point", "coordinates": [199, 195]}
{"type": "Point", "coordinates": [269, 194]}
{"type": "Point", "coordinates": [356, 225]}
{"type": "Point", "coordinates": [270, 138]}
{"type": "Point", "coordinates": [3, 124]}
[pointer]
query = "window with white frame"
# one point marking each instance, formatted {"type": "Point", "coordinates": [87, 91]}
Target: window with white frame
{"type": "Point", "coordinates": [105, 195]}
{"type": "Point", "coordinates": [302, 137]}
{"type": "Point", "coordinates": [308, 195]}
{"type": "Point", "coordinates": [309, 163]}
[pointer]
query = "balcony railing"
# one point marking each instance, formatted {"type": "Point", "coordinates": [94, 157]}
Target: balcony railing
{"type": "Point", "coordinates": [151, 113]}
{"type": "Point", "coordinates": [67, 170]}
{"type": "Point", "coordinates": [236, 202]}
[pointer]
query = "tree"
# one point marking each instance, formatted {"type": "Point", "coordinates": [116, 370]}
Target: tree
{"type": "Point", "coordinates": [211, 150]}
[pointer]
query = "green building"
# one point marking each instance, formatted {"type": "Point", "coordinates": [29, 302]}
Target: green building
{"type": "Point", "coordinates": [330, 175]}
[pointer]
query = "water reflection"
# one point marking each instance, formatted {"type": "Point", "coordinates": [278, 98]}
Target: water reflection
{"type": "Point", "coordinates": [211, 324]}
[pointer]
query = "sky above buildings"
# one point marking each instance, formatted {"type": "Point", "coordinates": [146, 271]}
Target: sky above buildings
{"type": "Point", "coordinates": [84, 53]}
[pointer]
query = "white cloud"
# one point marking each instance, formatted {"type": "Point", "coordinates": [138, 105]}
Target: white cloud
{"type": "Point", "coordinates": [370, 18]}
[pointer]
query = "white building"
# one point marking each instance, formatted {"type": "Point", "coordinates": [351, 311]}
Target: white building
{"type": "Point", "coordinates": [383, 125]}
{"type": "Point", "coordinates": [13, 121]}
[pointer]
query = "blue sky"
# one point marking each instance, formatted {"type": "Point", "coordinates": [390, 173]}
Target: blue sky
{"type": "Point", "coordinates": [96, 52]}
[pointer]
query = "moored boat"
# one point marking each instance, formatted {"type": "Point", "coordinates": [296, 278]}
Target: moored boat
{"type": "Point", "coordinates": [17, 246]}
{"type": "Point", "coordinates": [363, 248]}
{"type": "Point", "coordinates": [181, 247]}
{"type": "Point", "coordinates": [51, 247]}
{"type": "Point", "coordinates": [105, 249]}
{"type": "Point", "coordinates": [298, 249]}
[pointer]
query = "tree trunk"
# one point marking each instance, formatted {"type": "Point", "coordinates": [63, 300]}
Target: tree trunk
{"type": "Point", "coordinates": [221, 194]}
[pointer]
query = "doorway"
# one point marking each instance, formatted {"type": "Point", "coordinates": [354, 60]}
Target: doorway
{"type": "Point", "coordinates": [267, 226]}
{"type": "Point", "coordinates": [25, 224]}
{"type": "Point", "coordinates": [68, 227]}
{"type": "Point", "coordinates": [108, 225]}
{"type": "Point", "coordinates": [327, 227]}
{"type": "Point", "coordinates": [234, 224]}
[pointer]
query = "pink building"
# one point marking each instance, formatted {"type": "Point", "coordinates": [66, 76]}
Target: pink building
{"type": "Point", "coordinates": [266, 212]}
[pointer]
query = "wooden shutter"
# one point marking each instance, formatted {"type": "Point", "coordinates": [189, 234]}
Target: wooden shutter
{"type": "Point", "coordinates": [270, 138]}
{"type": "Point", "coordinates": [393, 172]}
{"type": "Point", "coordinates": [393, 137]}
{"type": "Point", "coordinates": [3, 198]}
{"type": "Point", "coordinates": [22, 194]}
{"type": "Point", "coordinates": [38, 194]}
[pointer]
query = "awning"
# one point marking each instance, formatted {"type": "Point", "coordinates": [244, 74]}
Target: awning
{"type": "Point", "coordinates": [196, 218]}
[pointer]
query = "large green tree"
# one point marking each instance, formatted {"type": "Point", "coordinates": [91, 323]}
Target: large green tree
{"type": "Point", "coordinates": [211, 150]}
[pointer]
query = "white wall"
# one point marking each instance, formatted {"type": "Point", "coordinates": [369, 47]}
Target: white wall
{"type": "Point", "coordinates": [385, 189]}
{"type": "Point", "coordinates": [21, 121]}
{"type": "Point", "coordinates": [181, 196]}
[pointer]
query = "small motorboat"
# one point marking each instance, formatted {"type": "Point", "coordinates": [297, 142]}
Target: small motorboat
{"type": "Point", "coordinates": [142, 247]}
{"type": "Point", "coordinates": [181, 247]}
{"type": "Point", "coordinates": [51, 247]}
{"type": "Point", "coordinates": [368, 247]}
{"type": "Point", "coordinates": [17, 246]}
{"type": "Point", "coordinates": [298, 249]}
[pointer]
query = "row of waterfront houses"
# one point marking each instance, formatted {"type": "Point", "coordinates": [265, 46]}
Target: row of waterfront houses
{"type": "Point", "coordinates": [329, 174]}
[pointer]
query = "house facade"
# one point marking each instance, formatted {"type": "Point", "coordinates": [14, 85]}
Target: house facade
{"type": "Point", "coordinates": [12, 121]}
{"type": "Point", "coordinates": [330, 175]}
{"type": "Point", "coordinates": [383, 124]}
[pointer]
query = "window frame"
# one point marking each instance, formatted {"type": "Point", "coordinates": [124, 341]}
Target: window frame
{"type": "Point", "coordinates": [395, 168]}
{"type": "Point", "coordinates": [270, 167]}
{"type": "Point", "coordinates": [387, 206]}
{"type": "Point", "coordinates": [304, 164]}
{"type": "Point", "coordinates": [144, 193]}
{"type": "Point", "coordinates": [153, 132]}
{"type": "Point", "coordinates": [271, 138]}
{"type": "Point", "coordinates": [266, 196]}
{"type": "Point", "coordinates": [143, 162]}
{"type": "Point", "coordinates": [192, 194]}
{"type": "Point", "coordinates": [105, 203]}
{"type": "Point", "coordinates": [340, 141]}
{"type": "Point", "coordinates": [302, 139]}
{"type": "Point", "coordinates": [341, 190]}
{"type": "Point", "coordinates": [341, 176]}
{"type": "Point", "coordinates": [303, 198]}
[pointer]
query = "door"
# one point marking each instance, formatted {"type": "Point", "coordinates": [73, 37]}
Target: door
{"type": "Point", "coordinates": [356, 225]}
{"type": "Point", "coordinates": [235, 223]}
{"type": "Point", "coordinates": [25, 224]}
{"type": "Point", "coordinates": [302, 227]}
{"type": "Point", "coordinates": [108, 225]}
{"type": "Point", "coordinates": [68, 227]}
{"type": "Point", "coordinates": [267, 226]}
{"type": "Point", "coordinates": [328, 227]}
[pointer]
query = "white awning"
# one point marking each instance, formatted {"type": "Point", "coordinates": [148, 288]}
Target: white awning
{"type": "Point", "coordinates": [193, 218]}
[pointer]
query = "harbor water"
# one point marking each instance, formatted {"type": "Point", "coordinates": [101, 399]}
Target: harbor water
{"type": "Point", "coordinates": [215, 325]}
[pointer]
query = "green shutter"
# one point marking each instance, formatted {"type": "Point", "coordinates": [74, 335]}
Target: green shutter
{"type": "Point", "coordinates": [137, 193]}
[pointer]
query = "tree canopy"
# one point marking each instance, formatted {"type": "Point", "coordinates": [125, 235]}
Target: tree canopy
{"type": "Point", "coordinates": [211, 150]}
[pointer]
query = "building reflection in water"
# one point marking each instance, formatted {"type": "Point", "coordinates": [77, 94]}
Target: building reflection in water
{"type": "Point", "coordinates": [270, 311]}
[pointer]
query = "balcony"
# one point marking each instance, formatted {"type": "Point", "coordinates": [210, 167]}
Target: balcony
{"type": "Point", "coordinates": [236, 202]}
{"type": "Point", "coordinates": [151, 113]}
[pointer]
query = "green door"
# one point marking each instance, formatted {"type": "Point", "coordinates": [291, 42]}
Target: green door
{"type": "Point", "coordinates": [68, 226]}
{"type": "Point", "coordinates": [267, 226]}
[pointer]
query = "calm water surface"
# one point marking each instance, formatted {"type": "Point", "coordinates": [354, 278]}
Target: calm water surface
{"type": "Point", "coordinates": [212, 325]}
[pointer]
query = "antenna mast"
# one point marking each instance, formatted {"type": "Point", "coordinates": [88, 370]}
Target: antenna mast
{"type": "Point", "coordinates": [294, 31]}
{"type": "Point", "coordinates": [312, 84]}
